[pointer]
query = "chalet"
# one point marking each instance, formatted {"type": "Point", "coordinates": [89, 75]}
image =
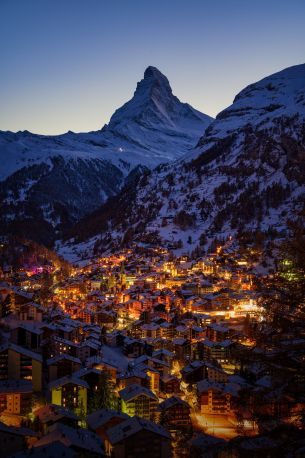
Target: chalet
{"type": "Point", "coordinates": [83, 442]}
{"type": "Point", "coordinates": [28, 336]}
{"type": "Point", "coordinates": [197, 332]}
{"type": "Point", "coordinates": [14, 439]}
{"type": "Point", "coordinates": [216, 398]}
{"type": "Point", "coordinates": [137, 437]}
{"type": "Point", "coordinates": [102, 420]}
{"type": "Point", "coordinates": [219, 351]}
{"type": "Point", "coordinates": [217, 332]}
{"type": "Point", "coordinates": [174, 414]}
{"type": "Point", "coordinates": [70, 392]}
{"type": "Point", "coordinates": [93, 377]}
{"type": "Point", "coordinates": [81, 350]}
{"type": "Point", "coordinates": [169, 384]}
{"type": "Point", "coordinates": [150, 330]}
{"type": "Point", "coordinates": [167, 330]}
{"type": "Point", "coordinates": [164, 355]}
{"type": "Point", "coordinates": [181, 348]}
{"type": "Point", "coordinates": [62, 365]}
{"type": "Point", "coordinates": [134, 348]}
{"type": "Point", "coordinates": [100, 364]}
{"type": "Point", "coordinates": [15, 397]}
{"type": "Point", "coordinates": [30, 311]}
{"type": "Point", "coordinates": [21, 364]}
{"type": "Point", "coordinates": [193, 372]}
{"type": "Point", "coordinates": [132, 376]}
{"type": "Point", "coordinates": [182, 332]}
{"type": "Point", "coordinates": [138, 400]}
{"type": "Point", "coordinates": [198, 370]}
{"type": "Point", "coordinates": [206, 445]}
{"type": "Point", "coordinates": [18, 297]}
{"type": "Point", "coordinates": [105, 318]}
{"type": "Point", "coordinates": [62, 331]}
{"type": "Point", "coordinates": [4, 362]}
{"type": "Point", "coordinates": [50, 414]}
{"type": "Point", "coordinates": [161, 366]}
{"type": "Point", "coordinates": [48, 451]}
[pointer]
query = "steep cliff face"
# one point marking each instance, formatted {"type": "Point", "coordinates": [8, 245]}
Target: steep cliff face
{"type": "Point", "coordinates": [54, 181]}
{"type": "Point", "coordinates": [247, 173]}
{"type": "Point", "coordinates": [156, 121]}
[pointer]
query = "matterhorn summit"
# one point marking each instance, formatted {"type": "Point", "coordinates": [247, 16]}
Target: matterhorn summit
{"type": "Point", "coordinates": [156, 120]}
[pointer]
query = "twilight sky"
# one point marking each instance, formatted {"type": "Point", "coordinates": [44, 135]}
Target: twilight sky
{"type": "Point", "coordinates": [68, 64]}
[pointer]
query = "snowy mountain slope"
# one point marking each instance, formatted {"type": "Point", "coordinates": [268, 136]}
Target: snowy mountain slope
{"type": "Point", "coordinates": [247, 174]}
{"type": "Point", "coordinates": [58, 179]}
{"type": "Point", "coordinates": [40, 201]}
{"type": "Point", "coordinates": [259, 104]}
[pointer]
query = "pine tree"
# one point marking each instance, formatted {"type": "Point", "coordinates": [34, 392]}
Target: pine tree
{"type": "Point", "coordinates": [283, 294]}
{"type": "Point", "coordinates": [103, 396]}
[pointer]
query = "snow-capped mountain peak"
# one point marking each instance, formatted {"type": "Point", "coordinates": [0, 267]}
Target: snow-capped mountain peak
{"type": "Point", "coordinates": [154, 80]}
{"type": "Point", "coordinates": [58, 179]}
{"type": "Point", "coordinates": [153, 73]}
{"type": "Point", "coordinates": [154, 107]}
{"type": "Point", "coordinates": [154, 87]}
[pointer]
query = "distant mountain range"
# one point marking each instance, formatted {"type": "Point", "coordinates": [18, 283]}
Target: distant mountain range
{"type": "Point", "coordinates": [245, 175]}
{"type": "Point", "coordinates": [49, 182]}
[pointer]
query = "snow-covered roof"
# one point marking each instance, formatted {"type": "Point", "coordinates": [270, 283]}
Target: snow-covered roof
{"type": "Point", "coordinates": [79, 439]}
{"type": "Point", "coordinates": [100, 417]}
{"type": "Point", "coordinates": [135, 390]}
{"type": "Point", "coordinates": [132, 426]}
{"type": "Point", "coordinates": [172, 401]}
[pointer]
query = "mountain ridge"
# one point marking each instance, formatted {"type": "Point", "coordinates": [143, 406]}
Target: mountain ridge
{"type": "Point", "coordinates": [246, 174]}
{"type": "Point", "coordinates": [58, 179]}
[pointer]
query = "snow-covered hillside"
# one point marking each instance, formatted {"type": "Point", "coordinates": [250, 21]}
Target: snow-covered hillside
{"type": "Point", "coordinates": [58, 179]}
{"type": "Point", "coordinates": [247, 174]}
{"type": "Point", "coordinates": [260, 104]}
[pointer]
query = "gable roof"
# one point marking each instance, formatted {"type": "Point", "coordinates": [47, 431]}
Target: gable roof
{"type": "Point", "coordinates": [134, 390]}
{"type": "Point", "coordinates": [54, 412]}
{"type": "Point", "coordinates": [132, 426]}
{"type": "Point", "coordinates": [25, 352]}
{"type": "Point", "coordinates": [172, 401]}
{"type": "Point", "coordinates": [102, 416]}
{"type": "Point", "coordinates": [56, 449]}
{"type": "Point", "coordinates": [62, 357]}
{"type": "Point", "coordinates": [67, 379]}
{"type": "Point", "coordinates": [76, 438]}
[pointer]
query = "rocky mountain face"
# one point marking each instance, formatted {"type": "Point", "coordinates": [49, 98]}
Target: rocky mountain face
{"type": "Point", "coordinates": [246, 175]}
{"type": "Point", "coordinates": [47, 183]}
{"type": "Point", "coordinates": [155, 121]}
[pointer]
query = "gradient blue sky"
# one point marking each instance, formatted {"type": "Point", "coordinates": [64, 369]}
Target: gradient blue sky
{"type": "Point", "coordinates": [68, 64]}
